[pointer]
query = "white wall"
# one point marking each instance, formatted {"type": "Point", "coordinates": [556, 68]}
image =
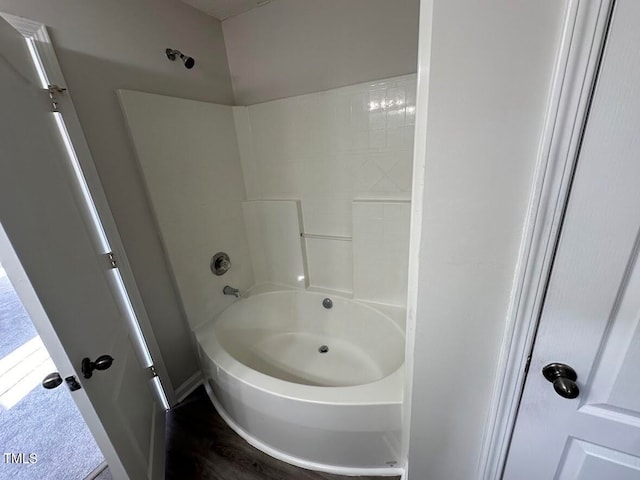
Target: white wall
{"type": "Point", "coordinates": [189, 158]}
{"type": "Point", "coordinates": [484, 75]}
{"type": "Point", "coordinates": [327, 149]}
{"type": "Point", "coordinates": [292, 47]}
{"type": "Point", "coordinates": [103, 46]}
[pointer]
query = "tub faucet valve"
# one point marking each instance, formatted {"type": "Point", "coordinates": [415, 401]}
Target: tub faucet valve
{"type": "Point", "coordinates": [227, 290]}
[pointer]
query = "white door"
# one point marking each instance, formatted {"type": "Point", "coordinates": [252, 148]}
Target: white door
{"type": "Point", "coordinates": [53, 243]}
{"type": "Point", "coordinates": [591, 317]}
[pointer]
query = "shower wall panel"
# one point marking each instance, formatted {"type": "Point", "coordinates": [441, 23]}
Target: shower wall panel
{"type": "Point", "coordinates": [328, 149]}
{"type": "Point", "coordinates": [189, 160]}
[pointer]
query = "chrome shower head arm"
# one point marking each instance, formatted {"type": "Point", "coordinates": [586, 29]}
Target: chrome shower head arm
{"type": "Point", "coordinates": [189, 62]}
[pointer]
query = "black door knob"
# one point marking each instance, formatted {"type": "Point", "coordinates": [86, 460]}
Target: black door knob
{"type": "Point", "coordinates": [52, 380]}
{"type": "Point", "coordinates": [563, 378]}
{"type": "Point", "coordinates": [102, 363]}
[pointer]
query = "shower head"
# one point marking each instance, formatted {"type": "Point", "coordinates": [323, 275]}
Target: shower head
{"type": "Point", "coordinates": [189, 62]}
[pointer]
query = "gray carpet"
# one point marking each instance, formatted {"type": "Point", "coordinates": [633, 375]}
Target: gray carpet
{"type": "Point", "coordinates": [15, 326]}
{"type": "Point", "coordinates": [45, 422]}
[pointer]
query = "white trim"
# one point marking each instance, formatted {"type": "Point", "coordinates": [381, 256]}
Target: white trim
{"type": "Point", "coordinates": [156, 462]}
{"type": "Point", "coordinates": [574, 76]}
{"type": "Point", "coordinates": [37, 32]}
{"type": "Point", "coordinates": [97, 471]}
{"type": "Point", "coordinates": [298, 462]}
{"type": "Point", "coordinates": [415, 233]}
{"type": "Point", "coordinates": [188, 386]}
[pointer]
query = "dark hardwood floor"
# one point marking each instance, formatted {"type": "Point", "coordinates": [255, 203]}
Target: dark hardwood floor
{"type": "Point", "coordinates": [200, 445]}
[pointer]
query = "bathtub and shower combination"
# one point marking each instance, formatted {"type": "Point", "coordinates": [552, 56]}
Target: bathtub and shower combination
{"type": "Point", "coordinates": [313, 381]}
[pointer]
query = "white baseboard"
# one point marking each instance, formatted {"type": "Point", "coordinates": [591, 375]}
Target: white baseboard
{"type": "Point", "coordinates": [157, 448]}
{"type": "Point", "coordinates": [188, 386]}
{"type": "Point", "coordinates": [97, 471]}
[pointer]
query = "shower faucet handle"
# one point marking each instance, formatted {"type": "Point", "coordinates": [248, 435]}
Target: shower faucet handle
{"type": "Point", "coordinates": [220, 263]}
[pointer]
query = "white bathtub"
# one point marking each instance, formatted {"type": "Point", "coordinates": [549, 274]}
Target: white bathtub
{"type": "Point", "coordinates": [338, 411]}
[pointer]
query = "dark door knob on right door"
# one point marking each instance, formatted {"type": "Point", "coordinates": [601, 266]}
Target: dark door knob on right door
{"type": "Point", "coordinates": [563, 378]}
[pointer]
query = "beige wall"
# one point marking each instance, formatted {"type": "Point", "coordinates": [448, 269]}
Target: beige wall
{"type": "Point", "coordinates": [292, 47]}
{"type": "Point", "coordinates": [482, 96]}
{"type": "Point", "coordinates": [103, 46]}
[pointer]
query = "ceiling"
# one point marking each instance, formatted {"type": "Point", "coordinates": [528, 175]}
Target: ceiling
{"type": "Point", "coordinates": [223, 9]}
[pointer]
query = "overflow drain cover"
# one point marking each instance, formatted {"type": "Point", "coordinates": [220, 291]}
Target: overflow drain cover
{"type": "Point", "coordinates": [323, 349]}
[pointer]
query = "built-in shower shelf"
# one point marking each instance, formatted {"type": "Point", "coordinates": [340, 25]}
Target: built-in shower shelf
{"type": "Point", "coordinates": [326, 237]}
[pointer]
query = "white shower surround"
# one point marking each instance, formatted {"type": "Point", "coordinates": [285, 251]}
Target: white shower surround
{"type": "Point", "coordinates": [326, 150]}
{"type": "Point", "coordinates": [338, 412]}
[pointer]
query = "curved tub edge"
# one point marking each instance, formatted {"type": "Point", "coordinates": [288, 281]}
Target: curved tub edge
{"type": "Point", "coordinates": [247, 376]}
{"type": "Point", "coordinates": [287, 458]}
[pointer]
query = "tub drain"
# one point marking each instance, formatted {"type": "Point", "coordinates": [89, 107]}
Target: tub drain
{"type": "Point", "coordinates": [323, 349]}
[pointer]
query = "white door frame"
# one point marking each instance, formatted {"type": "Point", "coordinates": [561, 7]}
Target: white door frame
{"type": "Point", "coordinates": [584, 33]}
{"type": "Point", "coordinates": [41, 42]}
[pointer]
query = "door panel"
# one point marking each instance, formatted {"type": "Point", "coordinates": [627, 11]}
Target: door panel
{"type": "Point", "coordinates": [51, 232]}
{"type": "Point", "coordinates": [590, 319]}
{"type": "Point", "coordinates": [588, 461]}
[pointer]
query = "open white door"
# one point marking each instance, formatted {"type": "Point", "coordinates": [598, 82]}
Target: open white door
{"type": "Point", "coordinates": [54, 244]}
{"type": "Point", "coordinates": [591, 316]}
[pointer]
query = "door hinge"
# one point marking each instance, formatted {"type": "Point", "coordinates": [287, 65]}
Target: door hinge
{"type": "Point", "coordinates": [54, 91]}
{"type": "Point", "coordinates": [152, 371]}
{"type": "Point", "coordinates": [112, 260]}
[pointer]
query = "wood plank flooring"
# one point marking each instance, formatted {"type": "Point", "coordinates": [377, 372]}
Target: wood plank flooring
{"type": "Point", "coordinates": [200, 446]}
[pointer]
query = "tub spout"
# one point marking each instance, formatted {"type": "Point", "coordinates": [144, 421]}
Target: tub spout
{"type": "Point", "coordinates": [227, 290]}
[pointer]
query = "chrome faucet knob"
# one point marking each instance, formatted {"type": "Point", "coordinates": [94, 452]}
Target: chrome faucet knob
{"type": "Point", "coordinates": [220, 263]}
